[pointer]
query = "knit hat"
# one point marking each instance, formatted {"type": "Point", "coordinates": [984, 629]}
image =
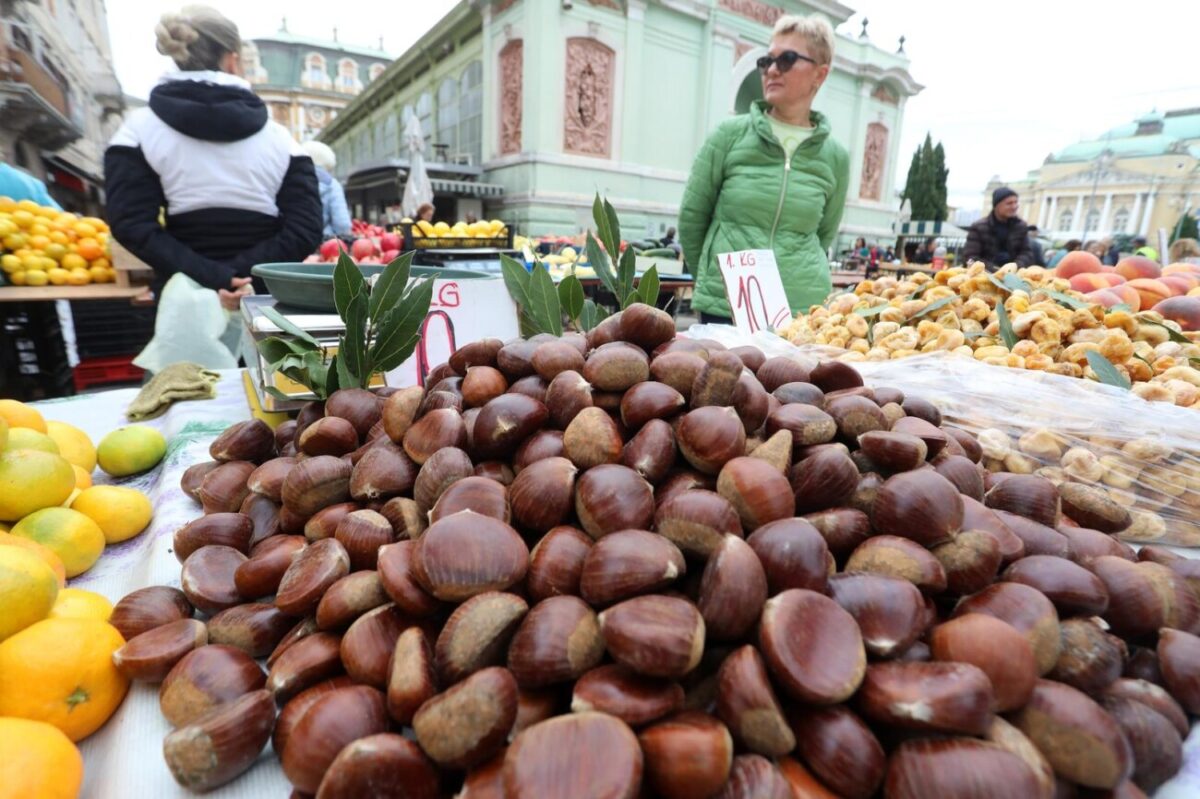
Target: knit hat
{"type": "Point", "coordinates": [1001, 194]}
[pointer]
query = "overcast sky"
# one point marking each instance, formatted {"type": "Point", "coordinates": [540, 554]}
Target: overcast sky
{"type": "Point", "coordinates": [1006, 83]}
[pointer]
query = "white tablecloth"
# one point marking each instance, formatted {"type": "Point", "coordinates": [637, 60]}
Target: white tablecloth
{"type": "Point", "coordinates": [124, 758]}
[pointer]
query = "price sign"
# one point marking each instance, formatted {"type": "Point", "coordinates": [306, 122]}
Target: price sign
{"type": "Point", "coordinates": [755, 290]}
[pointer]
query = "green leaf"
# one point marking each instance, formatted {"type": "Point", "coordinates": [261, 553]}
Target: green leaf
{"type": "Point", "coordinates": [921, 290]}
{"type": "Point", "coordinates": [1121, 306]}
{"type": "Point", "coordinates": [588, 317]}
{"type": "Point", "coordinates": [1006, 329]}
{"type": "Point", "coordinates": [332, 381]}
{"type": "Point", "coordinates": [1015, 283]}
{"type": "Point", "coordinates": [352, 348]}
{"type": "Point", "coordinates": [936, 305]}
{"type": "Point", "coordinates": [614, 225]}
{"type": "Point", "coordinates": [600, 263]}
{"type": "Point", "coordinates": [1172, 333]}
{"type": "Point", "coordinates": [277, 394]}
{"type": "Point", "coordinates": [1066, 300]}
{"type": "Point", "coordinates": [570, 296]}
{"type": "Point", "coordinates": [516, 280]}
{"type": "Point", "coordinates": [1143, 360]}
{"type": "Point", "coordinates": [1105, 371]}
{"type": "Point", "coordinates": [390, 286]}
{"type": "Point", "coordinates": [545, 308]}
{"type": "Point", "coordinates": [397, 335]}
{"type": "Point", "coordinates": [1194, 362]}
{"type": "Point", "coordinates": [604, 228]}
{"type": "Point", "coordinates": [648, 286]}
{"type": "Point", "coordinates": [275, 349]}
{"type": "Point", "coordinates": [602, 313]}
{"type": "Point", "coordinates": [318, 373]}
{"type": "Point", "coordinates": [625, 272]}
{"type": "Point", "coordinates": [345, 378]}
{"type": "Point", "coordinates": [348, 283]}
{"type": "Point", "coordinates": [287, 326]}
{"type": "Point", "coordinates": [869, 312]}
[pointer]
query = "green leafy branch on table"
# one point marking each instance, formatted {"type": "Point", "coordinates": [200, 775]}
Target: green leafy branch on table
{"type": "Point", "coordinates": [382, 327]}
{"type": "Point", "coordinates": [541, 306]}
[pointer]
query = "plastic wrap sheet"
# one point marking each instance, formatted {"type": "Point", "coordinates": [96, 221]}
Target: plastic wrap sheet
{"type": "Point", "coordinates": [1145, 455]}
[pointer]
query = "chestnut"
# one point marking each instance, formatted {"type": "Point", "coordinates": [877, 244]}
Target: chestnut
{"type": "Point", "coordinates": [921, 505]}
{"type": "Point", "coordinates": [996, 648]}
{"type": "Point", "coordinates": [612, 497]}
{"type": "Point", "coordinates": [928, 697]}
{"type": "Point", "coordinates": [709, 437]}
{"type": "Point", "coordinates": [812, 646]}
{"type": "Point", "coordinates": [675, 769]}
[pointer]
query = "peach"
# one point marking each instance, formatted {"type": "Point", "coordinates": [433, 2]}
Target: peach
{"type": "Point", "coordinates": [1077, 262]}
{"type": "Point", "coordinates": [1128, 295]}
{"type": "Point", "coordinates": [1182, 268]}
{"type": "Point", "coordinates": [1151, 291]}
{"type": "Point", "coordinates": [1092, 281]}
{"type": "Point", "coordinates": [1184, 310]}
{"type": "Point", "coordinates": [1194, 292]}
{"type": "Point", "coordinates": [1106, 297]}
{"type": "Point", "coordinates": [1180, 282]}
{"type": "Point", "coordinates": [1133, 267]}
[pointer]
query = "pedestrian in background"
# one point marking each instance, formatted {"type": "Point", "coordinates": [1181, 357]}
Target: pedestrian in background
{"type": "Point", "coordinates": [334, 212]}
{"type": "Point", "coordinates": [1001, 237]}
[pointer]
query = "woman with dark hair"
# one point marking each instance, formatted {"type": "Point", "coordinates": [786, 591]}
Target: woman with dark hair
{"type": "Point", "coordinates": [232, 187]}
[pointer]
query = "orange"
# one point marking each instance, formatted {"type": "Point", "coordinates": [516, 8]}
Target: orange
{"type": "Point", "coordinates": [77, 603]}
{"type": "Point", "coordinates": [18, 414]}
{"type": "Point", "coordinates": [45, 553]}
{"type": "Point", "coordinates": [28, 588]}
{"type": "Point", "coordinates": [39, 761]}
{"type": "Point", "coordinates": [72, 536]}
{"type": "Point", "coordinates": [90, 249]}
{"type": "Point", "coordinates": [73, 444]}
{"type": "Point", "coordinates": [60, 671]}
{"type": "Point", "coordinates": [31, 480]}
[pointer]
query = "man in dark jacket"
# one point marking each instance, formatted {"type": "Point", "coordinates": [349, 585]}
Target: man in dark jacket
{"type": "Point", "coordinates": [1001, 237]}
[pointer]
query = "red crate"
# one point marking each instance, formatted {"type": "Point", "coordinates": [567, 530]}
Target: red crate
{"type": "Point", "coordinates": [102, 371]}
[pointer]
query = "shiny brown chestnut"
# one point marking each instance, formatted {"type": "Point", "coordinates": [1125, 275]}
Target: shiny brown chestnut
{"type": "Point", "coordinates": [696, 521]}
{"type": "Point", "coordinates": [889, 611]}
{"type": "Point", "coordinates": [793, 555]}
{"type": "Point", "coordinates": [612, 497]}
{"type": "Point", "coordinates": [651, 452]}
{"type": "Point", "coordinates": [746, 702]}
{"type": "Point", "coordinates": [592, 439]}
{"type": "Point", "coordinates": [840, 749]}
{"type": "Point", "coordinates": [812, 646]}
{"type": "Point", "coordinates": [921, 505]}
{"type": "Point", "coordinates": [204, 678]}
{"type": "Point", "coordinates": [466, 554]}
{"type": "Point", "coordinates": [674, 767]}
{"type": "Point", "coordinates": [996, 648]}
{"type": "Point", "coordinates": [709, 437]}
{"type": "Point", "coordinates": [631, 697]}
{"type": "Point", "coordinates": [556, 563]}
{"type": "Point", "coordinates": [899, 557]}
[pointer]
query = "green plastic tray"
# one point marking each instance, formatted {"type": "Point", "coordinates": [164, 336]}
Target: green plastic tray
{"type": "Point", "coordinates": [310, 286]}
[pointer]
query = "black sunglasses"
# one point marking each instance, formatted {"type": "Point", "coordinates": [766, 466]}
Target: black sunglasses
{"type": "Point", "coordinates": [784, 61]}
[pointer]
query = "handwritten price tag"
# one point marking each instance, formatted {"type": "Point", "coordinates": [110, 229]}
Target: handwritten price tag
{"type": "Point", "coordinates": [755, 290]}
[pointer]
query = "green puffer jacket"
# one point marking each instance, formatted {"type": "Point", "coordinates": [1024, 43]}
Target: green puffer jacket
{"type": "Point", "coordinates": [742, 196]}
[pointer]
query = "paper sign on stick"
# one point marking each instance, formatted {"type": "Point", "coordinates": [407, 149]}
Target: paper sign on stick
{"type": "Point", "coordinates": [754, 290]}
{"type": "Point", "coordinates": [462, 311]}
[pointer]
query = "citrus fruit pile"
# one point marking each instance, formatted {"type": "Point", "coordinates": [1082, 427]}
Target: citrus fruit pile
{"type": "Point", "coordinates": [42, 246]}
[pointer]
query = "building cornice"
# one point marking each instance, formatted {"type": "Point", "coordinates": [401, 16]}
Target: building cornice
{"type": "Point", "coordinates": [584, 162]}
{"type": "Point", "coordinates": [874, 72]}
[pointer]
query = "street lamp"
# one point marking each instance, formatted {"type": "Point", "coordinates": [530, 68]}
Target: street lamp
{"type": "Point", "coordinates": [1103, 161]}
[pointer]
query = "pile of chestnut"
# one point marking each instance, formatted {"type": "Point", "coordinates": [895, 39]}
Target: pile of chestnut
{"type": "Point", "coordinates": [633, 565]}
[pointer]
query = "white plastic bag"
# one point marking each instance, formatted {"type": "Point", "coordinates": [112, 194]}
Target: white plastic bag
{"type": "Point", "coordinates": [191, 326]}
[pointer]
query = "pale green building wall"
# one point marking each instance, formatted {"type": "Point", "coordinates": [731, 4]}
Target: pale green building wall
{"type": "Point", "coordinates": [680, 68]}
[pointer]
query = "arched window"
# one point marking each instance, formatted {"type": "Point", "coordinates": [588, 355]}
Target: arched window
{"type": "Point", "coordinates": [447, 115]}
{"type": "Point", "coordinates": [1120, 222]}
{"type": "Point", "coordinates": [347, 79]}
{"type": "Point", "coordinates": [375, 71]}
{"type": "Point", "coordinates": [470, 121]}
{"type": "Point", "coordinates": [316, 74]}
{"type": "Point", "coordinates": [425, 116]}
{"type": "Point", "coordinates": [1092, 221]}
{"type": "Point", "coordinates": [1066, 220]}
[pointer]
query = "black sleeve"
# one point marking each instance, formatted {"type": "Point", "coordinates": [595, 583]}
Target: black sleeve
{"type": "Point", "coordinates": [973, 250]}
{"type": "Point", "coordinates": [300, 218]}
{"type": "Point", "coordinates": [134, 197]}
{"type": "Point", "coordinates": [1023, 254]}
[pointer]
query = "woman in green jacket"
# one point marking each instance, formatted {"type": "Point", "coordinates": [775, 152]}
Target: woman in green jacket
{"type": "Point", "coordinates": [771, 179]}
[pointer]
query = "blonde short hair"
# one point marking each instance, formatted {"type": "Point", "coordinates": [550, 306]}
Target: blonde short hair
{"type": "Point", "coordinates": [321, 154]}
{"type": "Point", "coordinates": [816, 30]}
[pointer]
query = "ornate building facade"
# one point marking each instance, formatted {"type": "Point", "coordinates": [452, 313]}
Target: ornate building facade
{"type": "Point", "coordinates": [60, 101]}
{"type": "Point", "coordinates": [306, 82]}
{"type": "Point", "coordinates": [547, 102]}
{"type": "Point", "coordinates": [1134, 179]}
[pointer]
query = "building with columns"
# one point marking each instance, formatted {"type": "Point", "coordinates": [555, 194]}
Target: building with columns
{"type": "Point", "coordinates": [1134, 179]}
{"type": "Point", "coordinates": [532, 106]}
{"type": "Point", "coordinates": [307, 81]}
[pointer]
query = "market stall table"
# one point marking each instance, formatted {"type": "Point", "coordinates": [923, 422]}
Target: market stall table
{"type": "Point", "coordinates": [125, 757]}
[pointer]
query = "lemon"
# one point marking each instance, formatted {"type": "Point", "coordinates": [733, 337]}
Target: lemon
{"type": "Point", "coordinates": [25, 438]}
{"type": "Point", "coordinates": [58, 277]}
{"type": "Point", "coordinates": [75, 538]}
{"type": "Point", "coordinates": [119, 512]}
{"type": "Point", "coordinates": [18, 414]}
{"type": "Point", "coordinates": [53, 561]}
{"type": "Point", "coordinates": [73, 444]}
{"type": "Point", "coordinates": [3, 434]}
{"type": "Point", "coordinates": [28, 589]}
{"type": "Point", "coordinates": [30, 480]}
{"type": "Point", "coordinates": [130, 450]}
{"type": "Point", "coordinates": [10, 263]}
{"type": "Point", "coordinates": [76, 603]}
{"type": "Point", "coordinates": [36, 277]}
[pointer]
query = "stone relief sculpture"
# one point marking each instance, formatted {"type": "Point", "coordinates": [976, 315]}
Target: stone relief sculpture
{"type": "Point", "coordinates": [587, 124]}
{"type": "Point", "coordinates": [754, 10]}
{"type": "Point", "coordinates": [511, 95]}
{"type": "Point", "coordinates": [874, 157]}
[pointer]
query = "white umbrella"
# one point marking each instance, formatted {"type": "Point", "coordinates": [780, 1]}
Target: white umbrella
{"type": "Point", "coordinates": [417, 190]}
